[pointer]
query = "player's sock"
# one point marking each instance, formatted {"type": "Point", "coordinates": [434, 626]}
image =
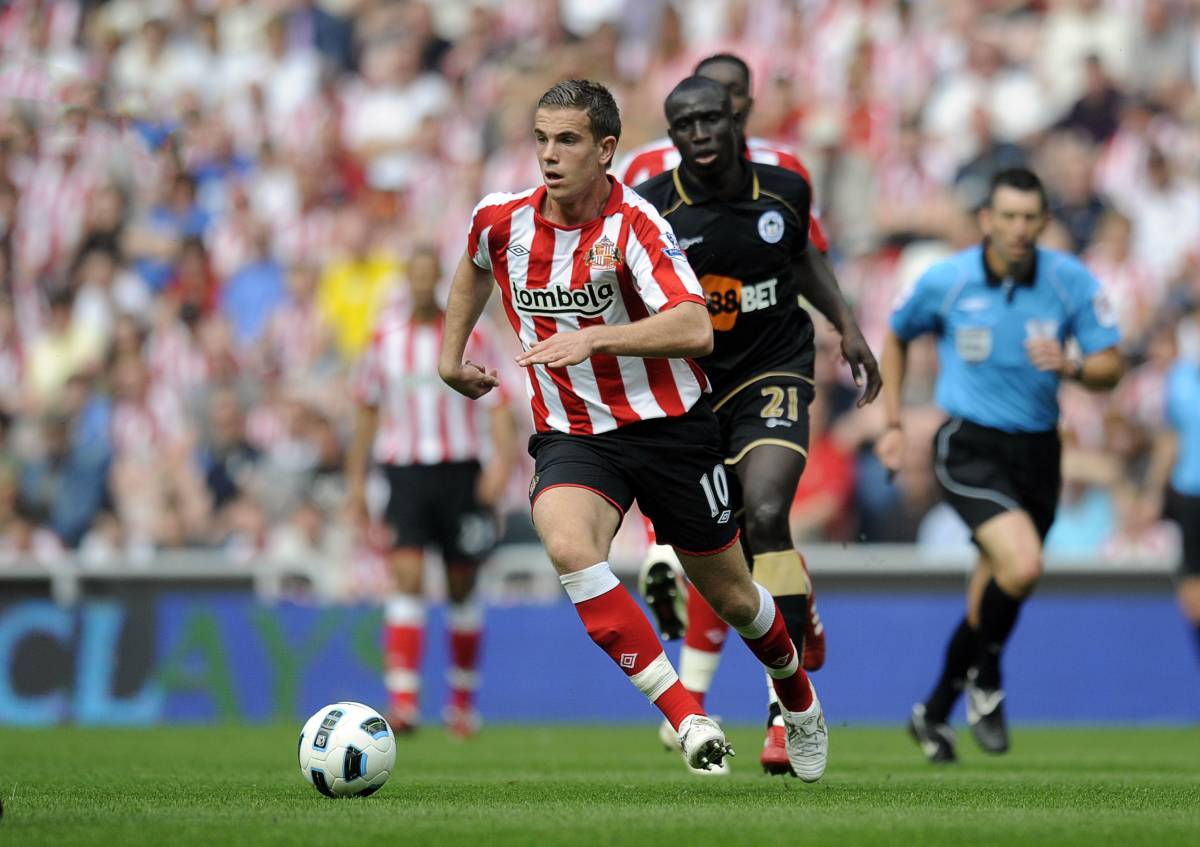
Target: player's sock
{"type": "Point", "coordinates": [782, 573]}
{"type": "Point", "coordinates": [465, 622]}
{"type": "Point", "coordinates": [960, 653]}
{"type": "Point", "coordinates": [403, 630]}
{"type": "Point", "coordinates": [768, 640]}
{"type": "Point", "coordinates": [616, 623]}
{"type": "Point", "coordinates": [702, 643]}
{"type": "Point", "coordinates": [997, 616]}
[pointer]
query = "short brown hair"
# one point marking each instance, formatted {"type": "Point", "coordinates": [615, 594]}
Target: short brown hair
{"type": "Point", "coordinates": [588, 96]}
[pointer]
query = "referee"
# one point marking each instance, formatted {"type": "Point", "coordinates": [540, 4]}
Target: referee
{"type": "Point", "coordinates": [1002, 312]}
{"type": "Point", "coordinates": [1174, 478]}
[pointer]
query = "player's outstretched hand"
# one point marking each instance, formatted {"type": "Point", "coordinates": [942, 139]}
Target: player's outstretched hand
{"type": "Point", "coordinates": [470, 379]}
{"type": "Point", "coordinates": [1046, 354]}
{"type": "Point", "coordinates": [889, 448]}
{"type": "Point", "coordinates": [859, 357]}
{"type": "Point", "coordinates": [559, 350]}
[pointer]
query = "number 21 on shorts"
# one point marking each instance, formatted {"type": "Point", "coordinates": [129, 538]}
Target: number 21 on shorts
{"type": "Point", "coordinates": [716, 491]}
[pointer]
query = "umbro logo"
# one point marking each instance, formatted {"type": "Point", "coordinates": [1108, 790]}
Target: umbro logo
{"type": "Point", "coordinates": [628, 660]}
{"type": "Point", "coordinates": [782, 661]}
{"type": "Point", "coordinates": [725, 516]}
{"type": "Point", "coordinates": [517, 250]}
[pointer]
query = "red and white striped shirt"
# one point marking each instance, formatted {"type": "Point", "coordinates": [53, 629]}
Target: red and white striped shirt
{"type": "Point", "coordinates": [658, 156]}
{"type": "Point", "coordinates": [621, 267]}
{"type": "Point", "coordinates": [422, 421]}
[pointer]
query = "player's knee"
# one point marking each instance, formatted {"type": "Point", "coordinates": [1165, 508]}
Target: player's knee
{"type": "Point", "coordinates": [1023, 571]}
{"type": "Point", "coordinates": [570, 552]}
{"type": "Point", "coordinates": [766, 523]}
{"type": "Point", "coordinates": [735, 607]}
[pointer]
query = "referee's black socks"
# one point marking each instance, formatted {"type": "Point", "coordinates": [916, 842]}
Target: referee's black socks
{"type": "Point", "coordinates": [960, 655]}
{"type": "Point", "coordinates": [997, 616]}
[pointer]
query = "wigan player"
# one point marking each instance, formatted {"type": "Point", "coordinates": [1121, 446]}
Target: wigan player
{"type": "Point", "coordinates": [617, 409]}
{"type": "Point", "coordinates": [745, 229]}
{"type": "Point", "coordinates": [446, 465]}
{"type": "Point", "coordinates": [703, 631]}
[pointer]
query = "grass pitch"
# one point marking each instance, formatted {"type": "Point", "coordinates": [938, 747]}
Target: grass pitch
{"type": "Point", "coordinates": [596, 785]}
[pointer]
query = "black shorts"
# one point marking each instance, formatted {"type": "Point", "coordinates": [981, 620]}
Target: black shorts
{"type": "Point", "coordinates": [672, 467]}
{"type": "Point", "coordinates": [435, 505]}
{"type": "Point", "coordinates": [985, 472]}
{"type": "Point", "coordinates": [770, 408]}
{"type": "Point", "coordinates": [1185, 511]}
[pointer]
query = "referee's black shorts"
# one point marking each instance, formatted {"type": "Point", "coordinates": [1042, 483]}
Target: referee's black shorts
{"type": "Point", "coordinates": [673, 467]}
{"type": "Point", "coordinates": [1185, 511]}
{"type": "Point", "coordinates": [986, 472]}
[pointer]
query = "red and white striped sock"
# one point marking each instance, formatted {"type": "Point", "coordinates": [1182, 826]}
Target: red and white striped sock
{"type": "Point", "coordinates": [465, 622]}
{"type": "Point", "coordinates": [403, 635]}
{"type": "Point", "coordinates": [768, 639]}
{"type": "Point", "coordinates": [702, 643]}
{"type": "Point", "coordinates": [616, 623]}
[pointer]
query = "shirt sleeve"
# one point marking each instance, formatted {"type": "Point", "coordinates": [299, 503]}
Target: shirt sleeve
{"type": "Point", "coordinates": [1093, 320]}
{"type": "Point", "coordinates": [918, 309]}
{"type": "Point", "coordinates": [477, 236]}
{"type": "Point", "coordinates": [659, 267]}
{"type": "Point", "coordinates": [801, 202]}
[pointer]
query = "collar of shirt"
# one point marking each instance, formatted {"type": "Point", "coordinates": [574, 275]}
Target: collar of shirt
{"type": "Point", "coordinates": [994, 281]}
{"type": "Point", "coordinates": [692, 191]}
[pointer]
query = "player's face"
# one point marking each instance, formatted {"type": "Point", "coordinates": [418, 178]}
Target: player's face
{"type": "Point", "coordinates": [732, 79]}
{"type": "Point", "coordinates": [570, 158]}
{"type": "Point", "coordinates": [1013, 223]}
{"type": "Point", "coordinates": [703, 129]}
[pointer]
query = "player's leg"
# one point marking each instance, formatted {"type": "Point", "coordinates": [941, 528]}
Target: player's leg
{"type": "Point", "coordinates": [768, 475]}
{"type": "Point", "coordinates": [404, 609]}
{"type": "Point", "coordinates": [404, 637]}
{"type": "Point", "coordinates": [464, 620]}
{"type": "Point", "coordinates": [577, 526]}
{"type": "Point", "coordinates": [1185, 511]}
{"type": "Point", "coordinates": [930, 721]}
{"type": "Point", "coordinates": [466, 533]}
{"type": "Point", "coordinates": [1188, 595]}
{"type": "Point", "coordinates": [1013, 548]}
{"type": "Point", "coordinates": [723, 579]}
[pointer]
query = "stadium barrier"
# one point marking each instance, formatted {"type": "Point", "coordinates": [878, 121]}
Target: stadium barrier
{"type": "Point", "coordinates": [192, 638]}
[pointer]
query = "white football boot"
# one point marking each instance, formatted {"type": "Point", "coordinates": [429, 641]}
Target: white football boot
{"type": "Point", "coordinates": [704, 747]}
{"type": "Point", "coordinates": [807, 740]}
{"type": "Point", "coordinates": [670, 741]}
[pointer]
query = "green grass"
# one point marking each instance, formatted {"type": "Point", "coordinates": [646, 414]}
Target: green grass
{"type": "Point", "coordinates": [596, 786]}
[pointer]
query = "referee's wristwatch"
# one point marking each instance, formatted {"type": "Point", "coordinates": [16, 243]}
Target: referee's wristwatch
{"type": "Point", "coordinates": [1075, 369]}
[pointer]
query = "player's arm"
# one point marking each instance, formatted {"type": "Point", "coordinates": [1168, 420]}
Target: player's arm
{"type": "Point", "coordinates": [889, 447]}
{"type": "Point", "coordinates": [504, 451]}
{"type": "Point", "coordinates": [1162, 460]}
{"type": "Point", "coordinates": [1093, 324]}
{"type": "Point", "coordinates": [682, 331]}
{"type": "Point", "coordinates": [469, 293]}
{"type": "Point", "coordinates": [366, 422]}
{"type": "Point", "coordinates": [819, 285]}
{"type": "Point", "coordinates": [917, 312]}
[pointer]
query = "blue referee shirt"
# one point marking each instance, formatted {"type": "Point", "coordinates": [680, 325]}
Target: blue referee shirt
{"type": "Point", "coordinates": [983, 322]}
{"type": "Point", "coordinates": [1183, 416]}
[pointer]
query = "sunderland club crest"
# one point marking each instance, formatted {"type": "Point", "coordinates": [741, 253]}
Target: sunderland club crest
{"type": "Point", "coordinates": [604, 255]}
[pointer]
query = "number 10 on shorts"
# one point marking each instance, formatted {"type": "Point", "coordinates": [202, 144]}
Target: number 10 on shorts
{"type": "Point", "coordinates": [716, 491]}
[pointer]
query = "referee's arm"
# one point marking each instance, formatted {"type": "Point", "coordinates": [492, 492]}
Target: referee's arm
{"type": "Point", "coordinates": [1097, 371]}
{"type": "Point", "coordinates": [889, 447]}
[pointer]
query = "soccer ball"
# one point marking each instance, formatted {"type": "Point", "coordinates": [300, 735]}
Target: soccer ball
{"type": "Point", "coordinates": [347, 750]}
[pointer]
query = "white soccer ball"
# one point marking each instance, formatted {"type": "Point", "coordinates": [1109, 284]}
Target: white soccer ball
{"type": "Point", "coordinates": [347, 750]}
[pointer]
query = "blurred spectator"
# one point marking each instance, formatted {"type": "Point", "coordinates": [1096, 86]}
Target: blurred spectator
{"type": "Point", "coordinates": [254, 292]}
{"type": "Point", "coordinates": [1161, 48]}
{"type": "Point", "coordinates": [1096, 113]}
{"type": "Point", "coordinates": [65, 347]}
{"type": "Point", "coordinates": [357, 283]}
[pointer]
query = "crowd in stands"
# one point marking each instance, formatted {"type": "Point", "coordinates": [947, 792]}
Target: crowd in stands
{"type": "Point", "coordinates": [204, 202]}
